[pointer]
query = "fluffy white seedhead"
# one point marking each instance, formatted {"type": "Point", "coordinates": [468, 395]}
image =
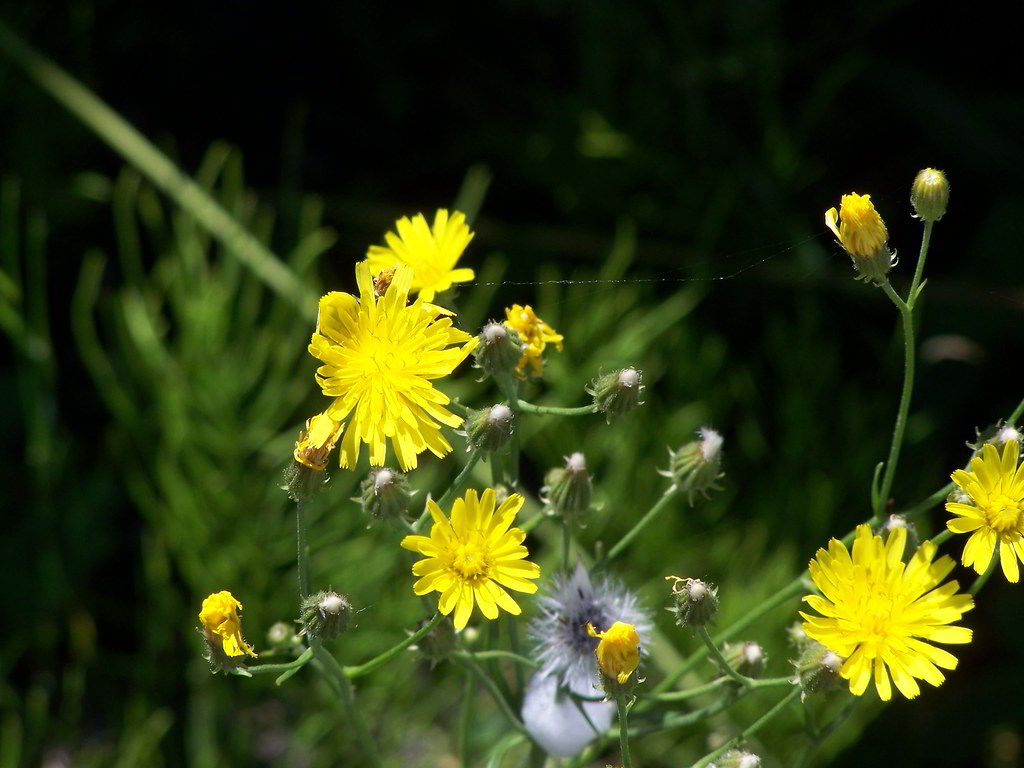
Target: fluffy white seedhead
{"type": "Point", "coordinates": [698, 590]}
{"type": "Point", "coordinates": [832, 662]}
{"type": "Point", "coordinates": [500, 414]}
{"type": "Point", "coordinates": [753, 653]}
{"type": "Point", "coordinates": [628, 377]}
{"type": "Point", "coordinates": [749, 761]}
{"type": "Point", "coordinates": [710, 443]}
{"type": "Point", "coordinates": [1008, 433]}
{"type": "Point", "coordinates": [382, 479]}
{"type": "Point", "coordinates": [559, 632]}
{"type": "Point", "coordinates": [494, 333]}
{"type": "Point", "coordinates": [897, 521]}
{"type": "Point", "coordinates": [577, 462]}
{"type": "Point", "coordinates": [332, 603]}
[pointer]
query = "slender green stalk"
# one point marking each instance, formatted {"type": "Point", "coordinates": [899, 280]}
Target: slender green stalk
{"type": "Point", "coordinates": [497, 475]}
{"type": "Point", "coordinates": [513, 639]}
{"type": "Point", "coordinates": [466, 718]}
{"type": "Point", "coordinates": [926, 238]}
{"type": "Point", "coordinates": [1017, 413]}
{"type": "Point", "coordinates": [819, 736]}
{"type": "Point", "coordinates": [266, 669]}
{"type": "Point", "coordinates": [750, 730]}
{"type": "Point", "coordinates": [983, 578]}
{"type": "Point", "coordinates": [642, 523]}
{"type": "Point", "coordinates": [467, 660]}
{"type": "Point", "coordinates": [717, 654]}
{"type": "Point", "coordinates": [907, 315]}
{"type": "Point", "coordinates": [302, 549]}
{"type": "Point", "coordinates": [552, 410]}
{"type": "Point", "coordinates": [566, 544]}
{"type": "Point", "coordinates": [124, 139]}
{"type": "Point", "coordinates": [941, 537]}
{"type": "Point", "coordinates": [390, 653]}
{"type": "Point", "coordinates": [623, 708]}
{"type": "Point", "coordinates": [352, 710]}
{"type": "Point", "coordinates": [453, 490]}
{"type": "Point", "coordinates": [497, 653]}
{"type": "Point", "coordinates": [716, 684]}
{"type": "Point", "coordinates": [925, 504]}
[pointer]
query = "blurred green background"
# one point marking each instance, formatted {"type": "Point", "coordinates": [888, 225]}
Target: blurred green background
{"type": "Point", "coordinates": [152, 387]}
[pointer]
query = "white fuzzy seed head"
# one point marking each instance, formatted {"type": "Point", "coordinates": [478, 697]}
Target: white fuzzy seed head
{"type": "Point", "coordinates": [897, 521]}
{"type": "Point", "coordinates": [750, 761]}
{"type": "Point", "coordinates": [494, 333]}
{"type": "Point", "coordinates": [1008, 433]}
{"type": "Point", "coordinates": [500, 414]}
{"type": "Point", "coordinates": [576, 462]}
{"type": "Point", "coordinates": [698, 590]}
{"type": "Point", "coordinates": [628, 377]}
{"type": "Point", "coordinates": [753, 653]}
{"type": "Point", "coordinates": [710, 443]}
{"type": "Point", "coordinates": [332, 603]}
{"type": "Point", "coordinates": [832, 662]}
{"type": "Point", "coordinates": [383, 479]}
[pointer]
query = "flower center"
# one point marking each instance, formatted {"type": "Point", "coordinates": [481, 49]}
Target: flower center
{"type": "Point", "coordinates": [876, 615]}
{"type": "Point", "coordinates": [471, 561]}
{"type": "Point", "coordinates": [1004, 513]}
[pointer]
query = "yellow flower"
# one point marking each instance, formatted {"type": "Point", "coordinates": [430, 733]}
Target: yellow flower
{"type": "Point", "coordinates": [996, 486]}
{"type": "Point", "coordinates": [220, 620]}
{"type": "Point", "coordinates": [380, 355]}
{"type": "Point", "coordinates": [317, 440]}
{"type": "Point", "coordinates": [432, 253]}
{"type": "Point", "coordinates": [862, 234]}
{"type": "Point", "coordinates": [618, 653]}
{"type": "Point", "coordinates": [472, 556]}
{"type": "Point", "coordinates": [878, 611]}
{"type": "Point", "coordinates": [535, 335]}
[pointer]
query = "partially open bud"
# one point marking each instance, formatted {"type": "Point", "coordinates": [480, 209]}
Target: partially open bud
{"type": "Point", "coordinates": [567, 489]}
{"type": "Point", "coordinates": [862, 234]}
{"type": "Point", "coordinates": [746, 658]}
{"type": "Point", "coordinates": [307, 473]}
{"type": "Point", "coordinates": [498, 352]}
{"type": "Point", "coordinates": [696, 601]}
{"type": "Point", "coordinates": [618, 392]}
{"type": "Point", "coordinates": [385, 494]}
{"type": "Point", "coordinates": [325, 615]}
{"type": "Point", "coordinates": [818, 668]}
{"type": "Point", "coordinates": [930, 194]}
{"type": "Point", "coordinates": [618, 656]}
{"type": "Point", "coordinates": [490, 429]}
{"type": "Point", "coordinates": [737, 758]}
{"type": "Point", "coordinates": [220, 620]}
{"type": "Point", "coordinates": [697, 466]}
{"type": "Point", "coordinates": [438, 644]}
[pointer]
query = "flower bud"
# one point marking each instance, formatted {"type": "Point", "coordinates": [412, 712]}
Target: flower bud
{"type": "Point", "coordinates": [737, 758]}
{"type": "Point", "coordinates": [385, 494]}
{"type": "Point", "coordinates": [818, 668]}
{"type": "Point", "coordinates": [438, 644]}
{"type": "Point", "coordinates": [696, 601]}
{"type": "Point", "coordinates": [618, 392]}
{"type": "Point", "coordinates": [618, 656]}
{"type": "Point", "coordinates": [862, 234]}
{"type": "Point", "coordinates": [567, 489]}
{"type": "Point", "coordinates": [797, 636]}
{"type": "Point", "coordinates": [220, 622]}
{"type": "Point", "coordinates": [498, 352]}
{"type": "Point", "coordinates": [930, 194]}
{"type": "Point", "coordinates": [281, 635]}
{"type": "Point", "coordinates": [325, 615]}
{"type": "Point", "coordinates": [998, 435]}
{"type": "Point", "coordinates": [899, 521]}
{"type": "Point", "coordinates": [697, 466]}
{"type": "Point", "coordinates": [306, 475]}
{"type": "Point", "coordinates": [746, 658]}
{"type": "Point", "coordinates": [490, 429]}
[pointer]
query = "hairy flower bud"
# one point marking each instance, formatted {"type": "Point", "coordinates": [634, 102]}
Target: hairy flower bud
{"type": "Point", "coordinates": [618, 392]}
{"type": "Point", "coordinates": [281, 635]}
{"type": "Point", "coordinates": [385, 494]}
{"type": "Point", "coordinates": [737, 758]}
{"type": "Point", "coordinates": [618, 656]}
{"type": "Point", "coordinates": [746, 658]}
{"type": "Point", "coordinates": [567, 489]}
{"type": "Point", "coordinates": [696, 601]}
{"type": "Point", "coordinates": [862, 234]}
{"type": "Point", "coordinates": [818, 668]}
{"type": "Point", "coordinates": [697, 466]}
{"type": "Point", "coordinates": [498, 352]}
{"type": "Point", "coordinates": [490, 429]}
{"type": "Point", "coordinates": [438, 644]}
{"type": "Point", "coordinates": [325, 615]}
{"type": "Point", "coordinates": [930, 194]}
{"type": "Point", "coordinates": [899, 521]}
{"type": "Point", "coordinates": [306, 475]}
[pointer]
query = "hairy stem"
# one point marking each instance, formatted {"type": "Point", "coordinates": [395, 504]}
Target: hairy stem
{"type": "Point", "coordinates": [390, 653]}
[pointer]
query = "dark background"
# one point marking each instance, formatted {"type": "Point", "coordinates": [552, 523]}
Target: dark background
{"type": "Point", "coordinates": [717, 133]}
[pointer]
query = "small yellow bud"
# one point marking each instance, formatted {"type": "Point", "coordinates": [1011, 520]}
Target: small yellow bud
{"type": "Point", "coordinates": [316, 441]}
{"type": "Point", "coordinates": [618, 653]}
{"type": "Point", "coordinates": [862, 234]}
{"type": "Point", "coordinates": [930, 194]}
{"type": "Point", "coordinates": [222, 624]}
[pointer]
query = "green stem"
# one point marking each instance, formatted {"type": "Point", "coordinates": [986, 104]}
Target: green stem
{"type": "Point", "coordinates": [907, 315]}
{"type": "Point", "coordinates": [513, 639]}
{"type": "Point", "coordinates": [714, 685]}
{"type": "Point", "coordinates": [466, 718]}
{"type": "Point", "coordinates": [642, 523]}
{"type": "Point", "coordinates": [926, 238]}
{"type": "Point", "coordinates": [980, 581]}
{"type": "Point", "coordinates": [384, 658]}
{"type": "Point", "coordinates": [941, 537]}
{"type": "Point", "coordinates": [623, 708]}
{"type": "Point", "coordinates": [466, 659]}
{"type": "Point", "coordinates": [302, 549]}
{"type": "Point", "coordinates": [124, 139]}
{"type": "Point", "coordinates": [717, 654]}
{"type": "Point", "coordinates": [552, 410]}
{"type": "Point", "coordinates": [820, 736]}
{"type": "Point", "coordinates": [352, 711]}
{"type": "Point", "coordinates": [453, 490]}
{"type": "Point", "coordinates": [750, 730]}
{"type": "Point", "coordinates": [266, 669]}
{"type": "Point", "coordinates": [499, 654]}
{"type": "Point", "coordinates": [1018, 412]}
{"type": "Point", "coordinates": [925, 504]}
{"type": "Point", "coordinates": [566, 541]}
